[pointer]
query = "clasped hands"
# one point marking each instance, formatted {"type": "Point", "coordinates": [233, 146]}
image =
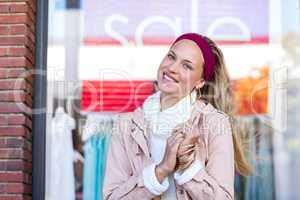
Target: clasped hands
{"type": "Point", "coordinates": [182, 149]}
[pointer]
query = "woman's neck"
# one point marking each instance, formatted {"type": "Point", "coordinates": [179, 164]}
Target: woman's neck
{"type": "Point", "coordinates": [167, 101]}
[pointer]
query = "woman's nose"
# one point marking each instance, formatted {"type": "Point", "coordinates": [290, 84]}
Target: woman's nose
{"type": "Point", "coordinates": [174, 67]}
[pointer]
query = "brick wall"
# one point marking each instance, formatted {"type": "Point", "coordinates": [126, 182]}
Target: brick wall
{"type": "Point", "coordinates": [17, 46]}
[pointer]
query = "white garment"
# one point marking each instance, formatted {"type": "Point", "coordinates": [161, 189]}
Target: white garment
{"type": "Point", "coordinates": [61, 180]}
{"type": "Point", "coordinates": [162, 123]}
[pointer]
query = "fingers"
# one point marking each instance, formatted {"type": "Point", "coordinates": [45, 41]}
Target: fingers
{"type": "Point", "coordinates": [185, 161]}
{"type": "Point", "coordinates": [176, 130]}
{"type": "Point", "coordinates": [176, 144]}
{"type": "Point", "coordinates": [186, 129]}
{"type": "Point", "coordinates": [184, 146]}
{"type": "Point", "coordinates": [173, 146]}
{"type": "Point", "coordinates": [186, 149]}
{"type": "Point", "coordinates": [176, 138]}
{"type": "Point", "coordinates": [174, 135]}
{"type": "Point", "coordinates": [182, 127]}
{"type": "Point", "coordinates": [188, 146]}
{"type": "Point", "coordinates": [186, 152]}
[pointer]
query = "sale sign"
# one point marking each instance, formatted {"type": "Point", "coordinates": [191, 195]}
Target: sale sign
{"type": "Point", "coordinates": [159, 22]}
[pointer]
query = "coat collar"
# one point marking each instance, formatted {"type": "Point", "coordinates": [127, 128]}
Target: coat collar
{"type": "Point", "coordinates": [140, 130]}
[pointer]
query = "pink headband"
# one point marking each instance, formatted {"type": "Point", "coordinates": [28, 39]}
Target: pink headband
{"type": "Point", "coordinates": [209, 59]}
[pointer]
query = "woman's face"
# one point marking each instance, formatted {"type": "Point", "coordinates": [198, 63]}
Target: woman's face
{"type": "Point", "coordinates": [181, 69]}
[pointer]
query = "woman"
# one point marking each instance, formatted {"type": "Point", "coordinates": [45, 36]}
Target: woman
{"type": "Point", "coordinates": [181, 144]}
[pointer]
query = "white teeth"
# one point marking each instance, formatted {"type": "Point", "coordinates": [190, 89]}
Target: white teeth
{"type": "Point", "coordinates": [168, 78]}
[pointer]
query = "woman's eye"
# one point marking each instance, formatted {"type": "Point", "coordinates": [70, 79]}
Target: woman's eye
{"type": "Point", "coordinates": [186, 66]}
{"type": "Point", "coordinates": [171, 56]}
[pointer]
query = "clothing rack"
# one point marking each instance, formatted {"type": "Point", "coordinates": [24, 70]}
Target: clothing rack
{"type": "Point", "coordinates": [97, 123]}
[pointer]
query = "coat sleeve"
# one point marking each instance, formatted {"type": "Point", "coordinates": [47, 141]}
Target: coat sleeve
{"type": "Point", "coordinates": [216, 179]}
{"type": "Point", "coordinates": [119, 181]}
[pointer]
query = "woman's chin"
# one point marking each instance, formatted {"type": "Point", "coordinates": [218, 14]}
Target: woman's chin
{"type": "Point", "coordinates": [168, 86]}
{"type": "Point", "coordinates": [168, 90]}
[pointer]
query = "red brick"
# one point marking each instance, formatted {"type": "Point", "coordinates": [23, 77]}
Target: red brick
{"type": "Point", "coordinates": [14, 19]}
{"type": "Point", "coordinates": [17, 188]}
{"type": "Point", "coordinates": [4, 8]}
{"type": "Point", "coordinates": [13, 40]}
{"type": "Point", "coordinates": [22, 8]}
{"type": "Point", "coordinates": [7, 107]}
{"type": "Point", "coordinates": [15, 62]}
{"type": "Point", "coordinates": [20, 51]}
{"type": "Point", "coordinates": [2, 142]}
{"type": "Point", "coordinates": [10, 154]}
{"type": "Point", "coordinates": [15, 7]}
{"type": "Point", "coordinates": [18, 40]}
{"type": "Point", "coordinates": [19, 119]}
{"type": "Point", "coordinates": [14, 197]}
{"type": "Point", "coordinates": [31, 3]}
{"type": "Point", "coordinates": [15, 153]}
{"type": "Point", "coordinates": [12, 177]}
{"type": "Point", "coordinates": [3, 73]}
{"type": "Point", "coordinates": [18, 29]}
{"type": "Point", "coordinates": [3, 120]}
{"type": "Point", "coordinates": [23, 29]}
{"type": "Point", "coordinates": [15, 165]}
{"type": "Point", "coordinates": [15, 73]}
{"type": "Point", "coordinates": [18, 7]}
{"type": "Point", "coordinates": [10, 142]}
{"type": "Point", "coordinates": [13, 84]}
{"type": "Point", "coordinates": [15, 119]}
{"type": "Point", "coordinates": [16, 96]}
{"type": "Point", "coordinates": [13, 96]}
{"type": "Point", "coordinates": [17, 51]}
{"type": "Point", "coordinates": [15, 142]}
{"type": "Point", "coordinates": [3, 51]}
{"type": "Point", "coordinates": [20, 73]}
{"type": "Point", "coordinates": [4, 30]}
{"type": "Point", "coordinates": [15, 131]}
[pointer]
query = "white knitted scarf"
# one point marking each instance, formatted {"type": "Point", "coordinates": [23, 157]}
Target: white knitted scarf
{"type": "Point", "coordinates": [162, 124]}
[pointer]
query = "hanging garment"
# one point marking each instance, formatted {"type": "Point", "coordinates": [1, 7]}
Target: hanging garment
{"type": "Point", "coordinates": [95, 150]}
{"type": "Point", "coordinates": [61, 170]}
{"type": "Point", "coordinates": [259, 186]}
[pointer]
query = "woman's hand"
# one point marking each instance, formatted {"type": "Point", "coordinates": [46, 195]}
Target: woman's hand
{"type": "Point", "coordinates": [168, 163]}
{"type": "Point", "coordinates": [187, 149]}
{"type": "Point", "coordinates": [188, 144]}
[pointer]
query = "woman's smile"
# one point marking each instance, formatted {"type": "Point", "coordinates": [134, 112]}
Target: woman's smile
{"type": "Point", "coordinates": [168, 78]}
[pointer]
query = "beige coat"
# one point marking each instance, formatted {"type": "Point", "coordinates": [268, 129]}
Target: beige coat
{"type": "Point", "coordinates": [129, 153]}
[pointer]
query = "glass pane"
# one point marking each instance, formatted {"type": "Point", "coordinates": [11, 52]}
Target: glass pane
{"type": "Point", "coordinates": [103, 58]}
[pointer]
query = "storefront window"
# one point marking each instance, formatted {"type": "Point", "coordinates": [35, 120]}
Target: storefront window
{"type": "Point", "coordinates": [102, 61]}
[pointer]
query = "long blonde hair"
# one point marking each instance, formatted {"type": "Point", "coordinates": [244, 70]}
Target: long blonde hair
{"type": "Point", "coordinates": [218, 92]}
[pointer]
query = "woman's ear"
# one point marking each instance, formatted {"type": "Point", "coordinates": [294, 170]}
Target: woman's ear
{"type": "Point", "coordinates": [200, 84]}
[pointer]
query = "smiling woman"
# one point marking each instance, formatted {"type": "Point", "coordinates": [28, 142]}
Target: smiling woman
{"type": "Point", "coordinates": [181, 69]}
{"type": "Point", "coordinates": [172, 146]}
